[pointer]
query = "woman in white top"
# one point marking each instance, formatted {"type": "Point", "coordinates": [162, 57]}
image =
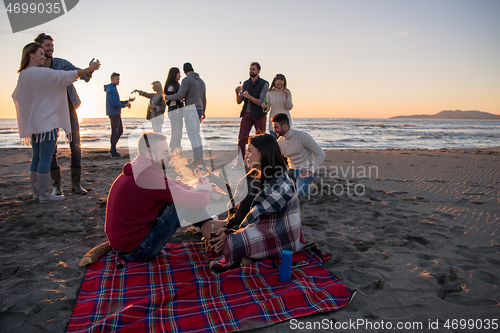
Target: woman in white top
{"type": "Point", "coordinates": [156, 107]}
{"type": "Point", "coordinates": [42, 108]}
{"type": "Point", "coordinates": [279, 100]}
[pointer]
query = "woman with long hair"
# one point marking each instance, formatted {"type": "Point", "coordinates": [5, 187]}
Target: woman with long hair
{"type": "Point", "coordinates": [175, 111]}
{"type": "Point", "coordinates": [42, 108]}
{"type": "Point", "coordinates": [279, 100]}
{"type": "Point", "coordinates": [267, 220]}
{"type": "Point", "coordinates": [156, 106]}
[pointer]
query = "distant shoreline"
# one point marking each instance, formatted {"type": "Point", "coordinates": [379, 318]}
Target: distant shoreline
{"type": "Point", "coordinates": [454, 115]}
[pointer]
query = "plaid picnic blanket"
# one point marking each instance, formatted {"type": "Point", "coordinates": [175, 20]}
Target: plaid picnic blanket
{"type": "Point", "coordinates": [177, 293]}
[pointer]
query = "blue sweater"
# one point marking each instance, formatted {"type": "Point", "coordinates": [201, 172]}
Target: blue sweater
{"type": "Point", "coordinates": [113, 104]}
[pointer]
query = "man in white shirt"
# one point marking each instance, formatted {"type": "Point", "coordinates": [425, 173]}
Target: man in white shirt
{"type": "Point", "coordinates": [303, 153]}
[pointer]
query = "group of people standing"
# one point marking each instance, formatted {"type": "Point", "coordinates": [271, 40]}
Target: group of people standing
{"type": "Point", "coordinates": [144, 207]}
{"type": "Point", "coordinates": [259, 100]}
{"type": "Point", "coordinates": [186, 101]}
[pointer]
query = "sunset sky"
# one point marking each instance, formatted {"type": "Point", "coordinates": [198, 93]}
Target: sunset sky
{"type": "Point", "coordinates": [342, 59]}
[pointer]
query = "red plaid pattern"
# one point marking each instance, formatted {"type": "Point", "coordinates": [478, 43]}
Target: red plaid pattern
{"type": "Point", "coordinates": [272, 225]}
{"type": "Point", "coordinates": [176, 292]}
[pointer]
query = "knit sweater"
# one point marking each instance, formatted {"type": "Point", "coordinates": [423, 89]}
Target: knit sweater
{"type": "Point", "coordinates": [301, 150]}
{"type": "Point", "coordinates": [278, 103]}
{"type": "Point", "coordinates": [41, 101]}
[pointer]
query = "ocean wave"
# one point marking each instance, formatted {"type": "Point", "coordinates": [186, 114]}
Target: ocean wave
{"type": "Point", "coordinates": [90, 139]}
{"type": "Point", "coordinates": [216, 137]}
{"type": "Point", "coordinates": [386, 125]}
{"type": "Point", "coordinates": [353, 140]}
{"type": "Point", "coordinates": [220, 121]}
{"type": "Point", "coordinates": [225, 125]}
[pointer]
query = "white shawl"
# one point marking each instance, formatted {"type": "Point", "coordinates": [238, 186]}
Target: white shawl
{"type": "Point", "coordinates": [41, 101]}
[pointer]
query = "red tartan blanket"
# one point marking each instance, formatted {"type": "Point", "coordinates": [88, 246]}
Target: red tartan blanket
{"type": "Point", "coordinates": [177, 293]}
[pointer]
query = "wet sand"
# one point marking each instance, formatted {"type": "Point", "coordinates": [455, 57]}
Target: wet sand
{"type": "Point", "coordinates": [415, 232]}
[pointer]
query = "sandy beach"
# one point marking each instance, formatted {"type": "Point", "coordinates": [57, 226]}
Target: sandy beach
{"type": "Point", "coordinates": [415, 232]}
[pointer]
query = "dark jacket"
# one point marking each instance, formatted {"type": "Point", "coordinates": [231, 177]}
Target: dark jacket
{"type": "Point", "coordinates": [171, 105]}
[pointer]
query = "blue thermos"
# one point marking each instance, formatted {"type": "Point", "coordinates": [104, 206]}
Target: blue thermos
{"type": "Point", "coordinates": [286, 266]}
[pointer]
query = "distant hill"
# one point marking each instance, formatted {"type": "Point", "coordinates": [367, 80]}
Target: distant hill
{"type": "Point", "coordinates": [457, 114]}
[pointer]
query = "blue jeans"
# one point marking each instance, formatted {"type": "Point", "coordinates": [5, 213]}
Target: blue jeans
{"type": "Point", "coordinates": [176, 123]}
{"type": "Point", "coordinates": [74, 145]}
{"type": "Point", "coordinates": [163, 229]}
{"type": "Point", "coordinates": [274, 134]}
{"type": "Point", "coordinates": [116, 131]}
{"type": "Point", "coordinates": [43, 149]}
{"type": "Point", "coordinates": [302, 184]}
{"type": "Point", "coordinates": [192, 122]}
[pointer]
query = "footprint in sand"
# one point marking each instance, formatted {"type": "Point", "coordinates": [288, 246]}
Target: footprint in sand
{"type": "Point", "coordinates": [363, 246]}
{"type": "Point", "coordinates": [417, 239]}
{"type": "Point", "coordinates": [488, 277]}
{"type": "Point", "coordinates": [449, 283]}
{"type": "Point", "coordinates": [467, 255]}
{"type": "Point", "coordinates": [468, 267]}
{"type": "Point", "coordinates": [426, 260]}
{"type": "Point", "coordinates": [372, 287]}
{"type": "Point", "coordinates": [425, 256]}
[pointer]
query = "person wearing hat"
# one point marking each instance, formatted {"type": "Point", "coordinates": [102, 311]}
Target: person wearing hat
{"type": "Point", "coordinates": [193, 91]}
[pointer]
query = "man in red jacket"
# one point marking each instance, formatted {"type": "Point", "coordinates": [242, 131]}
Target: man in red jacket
{"type": "Point", "coordinates": [144, 208]}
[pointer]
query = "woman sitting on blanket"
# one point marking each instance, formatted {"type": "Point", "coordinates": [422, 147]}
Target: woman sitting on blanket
{"type": "Point", "coordinates": [267, 220]}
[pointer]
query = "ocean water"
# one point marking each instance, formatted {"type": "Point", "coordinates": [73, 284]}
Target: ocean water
{"type": "Point", "coordinates": [330, 133]}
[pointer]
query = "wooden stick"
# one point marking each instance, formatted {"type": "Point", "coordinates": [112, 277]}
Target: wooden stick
{"type": "Point", "coordinates": [93, 255]}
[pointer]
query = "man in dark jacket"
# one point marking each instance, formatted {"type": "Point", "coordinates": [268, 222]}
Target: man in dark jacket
{"type": "Point", "coordinates": [252, 95]}
{"type": "Point", "coordinates": [193, 90]}
{"type": "Point", "coordinates": [114, 110]}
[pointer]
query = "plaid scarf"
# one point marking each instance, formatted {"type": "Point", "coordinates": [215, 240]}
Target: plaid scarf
{"type": "Point", "coordinates": [271, 226]}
